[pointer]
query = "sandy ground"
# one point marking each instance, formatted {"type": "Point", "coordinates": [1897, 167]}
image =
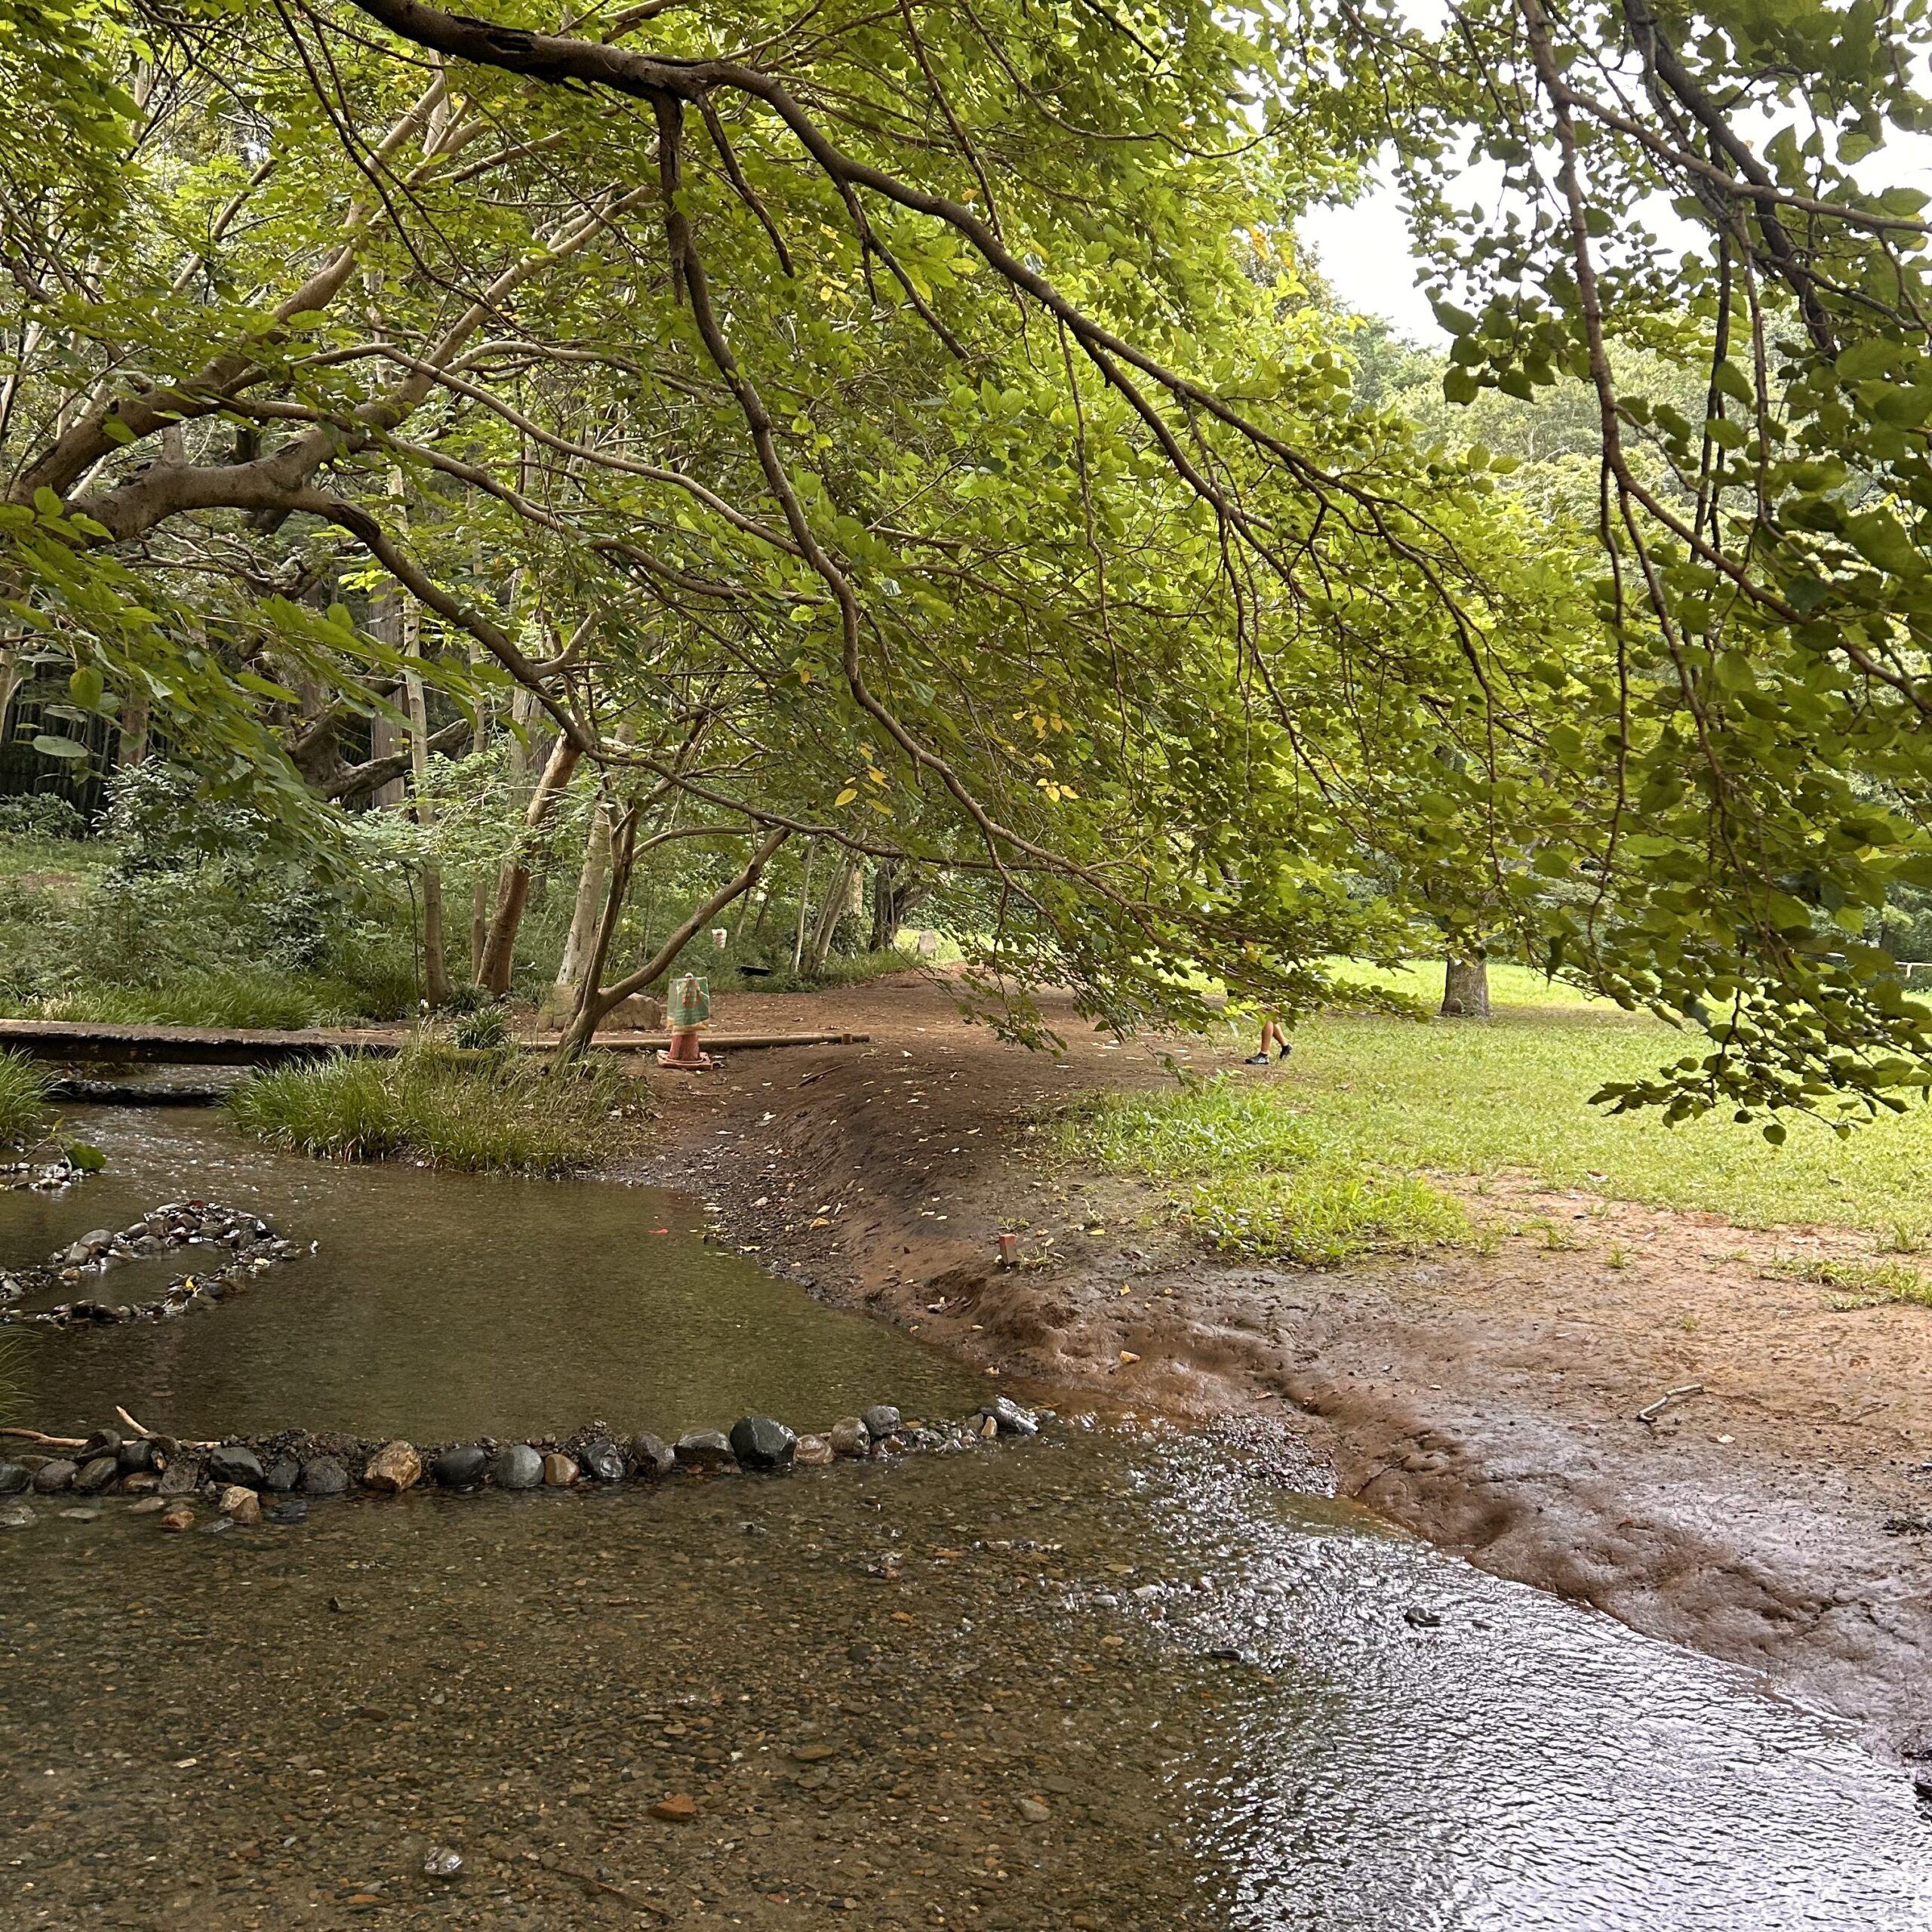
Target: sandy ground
{"type": "Point", "coordinates": [1780, 1518]}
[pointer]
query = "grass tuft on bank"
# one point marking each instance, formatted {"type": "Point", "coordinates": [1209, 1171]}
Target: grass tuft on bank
{"type": "Point", "coordinates": [1263, 1183]}
{"type": "Point", "coordinates": [472, 1111]}
{"type": "Point", "coordinates": [22, 1095]}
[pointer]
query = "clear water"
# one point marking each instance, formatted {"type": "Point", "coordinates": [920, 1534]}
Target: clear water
{"type": "Point", "coordinates": [439, 1305]}
{"type": "Point", "coordinates": [857, 1674]}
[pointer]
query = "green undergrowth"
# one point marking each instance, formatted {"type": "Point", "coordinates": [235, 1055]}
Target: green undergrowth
{"type": "Point", "coordinates": [22, 1095]}
{"type": "Point", "coordinates": [231, 996]}
{"type": "Point", "coordinates": [474, 1111]}
{"type": "Point", "coordinates": [1262, 1181]}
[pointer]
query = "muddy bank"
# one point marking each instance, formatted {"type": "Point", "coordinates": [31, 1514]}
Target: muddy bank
{"type": "Point", "coordinates": [1780, 1518]}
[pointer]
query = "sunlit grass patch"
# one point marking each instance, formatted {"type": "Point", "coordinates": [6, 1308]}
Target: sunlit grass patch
{"type": "Point", "coordinates": [1859, 1284]}
{"type": "Point", "coordinates": [215, 997]}
{"type": "Point", "coordinates": [475, 1111]}
{"type": "Point", "coordinates": [1264, 1185]}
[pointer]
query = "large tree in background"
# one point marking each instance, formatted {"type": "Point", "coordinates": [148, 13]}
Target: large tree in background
{"type": "Point", "coordinates": [903, 428]}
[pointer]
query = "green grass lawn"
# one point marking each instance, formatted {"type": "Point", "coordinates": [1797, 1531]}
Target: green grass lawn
{"type": "Point", "coordinates": [1383, 1098]}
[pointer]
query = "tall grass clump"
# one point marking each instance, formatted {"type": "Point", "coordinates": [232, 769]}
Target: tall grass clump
{"type": "Point", "coordinates": [1263, 1183]}
{"type": "Point", "coordinates": [472, 1111]}
{"type": "Point", "coordinates": [22, 1095]}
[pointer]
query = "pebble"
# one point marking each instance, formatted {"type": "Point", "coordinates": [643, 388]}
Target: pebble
{"type": "Point", "coordinates": [177, 1516]}
{"type": "Point", "coordinates": [440, 1862]}
{"type": "Point", "coordinates": [51, 1478]}
{"type": "Point", "coordinates": [240, 1506]}
{"type": "Point", "coordinates": [290, 1509]}
{"type": "Point", "coordinates": [80, 1515]}
{"type": "Point", "coordinates": [881, 1420]}
{"type": "Point", "coordinates": [394, 1467]}
{"type": "Point", "coordinates": [704, 1449]}
{"type": "Point", "coordinates": [517, 1466]}
{"type": "Point", "coordinates": [761, 1443]}
{"type": "Point", "coordinates": [652, 1456]}
{"type": "Point", "coordinates": [15, 1478]}
{"type": "Point", "coordinates": [559, 1471]}
{"type": "Point", "coordinates": [16, 1516]}
{"type": "Point", "coordinates": [850, 1437]}
{"type": "Point", "coordinates": [149, 1505]}
{"type": "Point", "coordinates": [1034, 1811]}
{"type": "Point", "coordinates": [678, 1809]}
{"type": "Point", "coordinates": [464, 1468]}
{"type": "Point", "coordinates": [231, 1462]}
{"type": "Point", "coordinates": [811, 1452]}
{"type": "Point", "coordinates": [321, 1475]}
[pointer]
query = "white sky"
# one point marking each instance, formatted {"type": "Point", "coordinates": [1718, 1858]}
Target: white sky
{"type": "Point", "coordinates": [1364, 251]}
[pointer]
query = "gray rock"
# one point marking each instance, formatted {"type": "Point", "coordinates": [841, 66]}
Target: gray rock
{"type": "Point", "coordinates": [652, 1456]}
{"type": "Point", "coordinates": [881, 1420]}
{"type": "Point", "coordinates": [214, 1527]}
{"type": "Point", "coordinates": [282, 1475]}
{"type": "Point", "coordinates": [136, 1456]}
{"type": "Point", "coordinates": [97, 1476]}
{"type": "Point", "coordinates": [849, 1436]}
{"type": "Point", "coordinates": [16, 1516]}
{"type": "Point", "coordinates": [1010, 1418]}
{"type": "Point", "coordinates": [1921, 1783]}
{"type": "Point", "coordinates": [761, 1443]}
{"type": "Point", "coordinates": [52, 1477]}
{"type": "Point", "coordinates": [517, 1466]}
{"type": "Point", "coordinates": [15, 1478]}
{"type": "Point", "coordinates": [290, 1509]}
{"type": "Point", "coordinates": [81, 1515]}
{"type": "Point", "coordinates": [464, 1468]}
{"type": "Point", "coordinates": [601, 1460]}
{"type": "Point", "coordinates": [704, 1449]}
{"type": "Point", "coordinates": [233, 1462]}
{"type": "Point", "coordinates": [102, 1442]}
{"type": "Point", "coordinates": [182, 1477]}
{"type": "Point", "coordinates": [321, 1475]}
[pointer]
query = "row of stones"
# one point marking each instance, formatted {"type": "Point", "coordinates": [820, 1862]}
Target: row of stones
{"type": "Point", "coordinates": [252, 1245]}
{"type": "Point", "coordinates": [234, 1476]}
{"type": "Point", "coordinates": [53, 1176]}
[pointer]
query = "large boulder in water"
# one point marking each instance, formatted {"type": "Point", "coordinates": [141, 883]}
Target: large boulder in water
{"type": "Point", "coordinates": [760, 1443]}
{"type": "Point", "coordinates": [704, 1449]}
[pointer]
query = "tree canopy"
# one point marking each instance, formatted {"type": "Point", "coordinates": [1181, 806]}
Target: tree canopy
{"type": "Point", "coordinates": [913, 428]}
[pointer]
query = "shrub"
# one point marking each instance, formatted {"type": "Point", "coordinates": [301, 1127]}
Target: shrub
{"type": "Point", "coordinates": [449, 1108]}
{"type": "Point", "coordinates": [22, 1094]}
{"type": "Point", "coordinates": [483, 1029]}
{"type": "Point", "coordinates": [41, 815]}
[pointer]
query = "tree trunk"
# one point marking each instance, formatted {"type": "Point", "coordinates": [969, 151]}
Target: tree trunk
{"type": "Point", "coordinates": [837, 903]}
{"type": "Point", "coordinates": [493, 970]}
{"type": "Point", "coordinates": [804, 904]}
{"type": "Point", "coordinates": [133, 749]}
{"type": "Point", "coordinates": [1466, 989]}
{"type": "Point", "coordinates": [589, 900]}
{"type": "Point", "coordinates": [435, 962]}
{"type": "Point", "coordinates": [895, 890]}
{"type": "Point", "coordinates": [598, 1000]}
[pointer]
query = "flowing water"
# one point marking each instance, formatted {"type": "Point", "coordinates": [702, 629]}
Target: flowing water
{"type": "Point", "coordinates": [1126, 1677]}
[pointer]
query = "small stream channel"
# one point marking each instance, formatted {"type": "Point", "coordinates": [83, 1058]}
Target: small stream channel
{"type": "Point", "coordinates": [1125, 1677]}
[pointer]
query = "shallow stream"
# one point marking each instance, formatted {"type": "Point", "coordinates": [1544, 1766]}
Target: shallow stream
{"type": "Point", "coordinates": [1126, 1677]}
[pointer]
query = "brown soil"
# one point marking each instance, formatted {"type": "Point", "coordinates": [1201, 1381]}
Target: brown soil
{"type": "Point", "coordinates": [1779, 1518]}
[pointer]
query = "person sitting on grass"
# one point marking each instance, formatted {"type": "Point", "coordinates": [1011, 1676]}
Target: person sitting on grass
{"type": "Point", "coordinates": [1273, 1035]}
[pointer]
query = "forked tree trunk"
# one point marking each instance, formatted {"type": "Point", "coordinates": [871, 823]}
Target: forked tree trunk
{"type": "Point", "coordinates": [804, 906]}
{"type": "Point", "coordinates": [837, 903]}
{"type": "Point", "coordinates": [1466, 989]}
{"type": "Point", "coordinates": [597, 1000]}
{"type": "Point", "coordinates": [492, 971]}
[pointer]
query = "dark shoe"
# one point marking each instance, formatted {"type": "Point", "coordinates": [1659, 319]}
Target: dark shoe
{"type": "Point", "coordinates": [1286, 1051]}
{"type": "Point", "coordinates": [1256, 1060]}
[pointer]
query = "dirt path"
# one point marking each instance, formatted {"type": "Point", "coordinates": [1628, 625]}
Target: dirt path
{"type": "Point", "coordinates": [1779, 1518]}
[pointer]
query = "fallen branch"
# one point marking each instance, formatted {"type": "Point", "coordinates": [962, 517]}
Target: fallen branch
{"type": "Point", "coordinates": [46, 1441]}
{"type": "Point", "coordinates": [1648, 1415]}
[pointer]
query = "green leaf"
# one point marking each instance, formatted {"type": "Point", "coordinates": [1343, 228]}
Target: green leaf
{"type": "Point", "coordinates": [52, 747]}
{"type": "Point", "coordinates": [87, 687]}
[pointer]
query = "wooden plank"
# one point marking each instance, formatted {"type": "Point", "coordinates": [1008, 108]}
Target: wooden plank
{"type": "Point", "coordinates": [201, 1046]}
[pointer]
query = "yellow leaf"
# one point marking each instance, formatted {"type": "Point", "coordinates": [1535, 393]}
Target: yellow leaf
{"type": "Point", "coordinates": [846, 797]}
